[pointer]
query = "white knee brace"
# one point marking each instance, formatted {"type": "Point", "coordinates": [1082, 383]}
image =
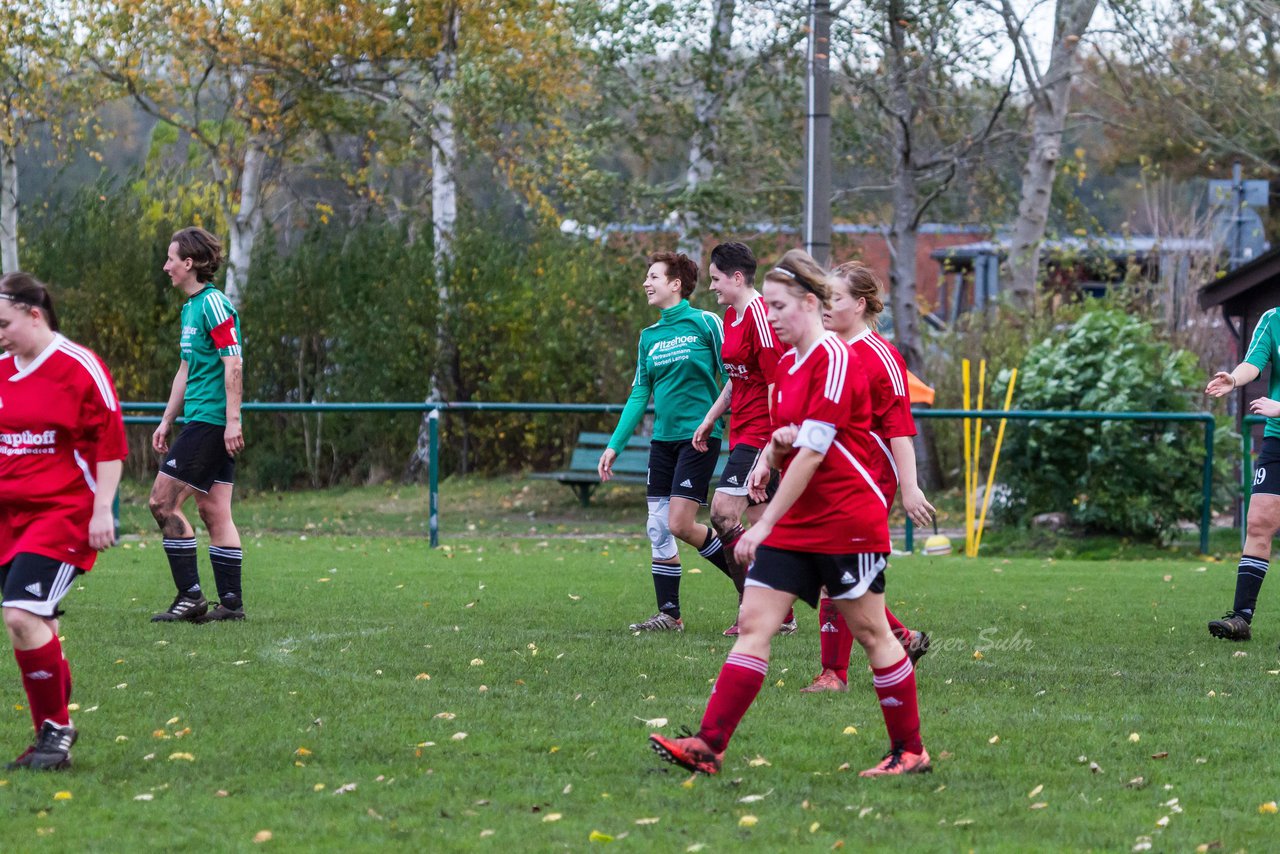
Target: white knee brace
{"type": "Point", "coordinates": [660, 536]}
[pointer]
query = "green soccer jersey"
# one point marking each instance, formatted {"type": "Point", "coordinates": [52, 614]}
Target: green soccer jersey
{"type": "Point", "coordinates": [678, 364]}
{"type": "Point", "coordinates": [210, 330]}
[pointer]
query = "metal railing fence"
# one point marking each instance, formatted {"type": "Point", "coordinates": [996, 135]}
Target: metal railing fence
{"type": "Point", "coordinates": [433, 409]}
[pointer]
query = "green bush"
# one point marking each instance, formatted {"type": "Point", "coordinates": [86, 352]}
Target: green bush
{"type": "Point", "coordinates": [1125, 477]}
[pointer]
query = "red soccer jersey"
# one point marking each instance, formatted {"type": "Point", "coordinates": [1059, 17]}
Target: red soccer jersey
{"type": "Point", "coordinates": [890, 402]}
{"type": "Point", "coordinates": [750, 354]}
{"type": "Point", "coordinates": [842, 510]}
{"type": "Point", "coordinates": [59, 417]}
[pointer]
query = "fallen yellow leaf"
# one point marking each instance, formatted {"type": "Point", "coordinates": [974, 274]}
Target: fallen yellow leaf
{"type": "Point", "coordinates": [262, 836]}
{"type": "Point", "coordinates": [302, 751]}
{"type": "Point", "coordinates": [421, 676]}
{"type": "Point", "coordinates": [748, 821]}
{"type": "Point", "coordinates": [552, 816]}
{"type": "Point", "coordinates": [318, 787]}
{"type": "Point", "coordinates": [1134, 737]}
{"type": "Point", "coordinates": [62, 796]}
{"type": "Point", "coordinates": [977, 655]}
{"type": "Point", "coordinates": [995, 739]}
{"type": "Point", "coordinates": [758, 761]}
{"type": "Point", "coordinates": [813, 828]}
{"type": "Point", "coordinates": [1039, 805]}
{"type": "Point", "coordinates": [1037, 790]}
{"type": "Point", "coordinates": [597, 836]}
{"type": "Point", "coordinates": [186, 757]}
{"type": "Point", "coordinates": [645, 821]}
{"type": "Point", "coordinates": [1269, 808]}
{"type": "Point", "coordinates": [173, 720]}
{"type": "Point", "coordinates": [851, 730]}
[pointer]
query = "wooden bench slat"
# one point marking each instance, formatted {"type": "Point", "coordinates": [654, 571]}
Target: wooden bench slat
{"type": "Point", "coordinates": [631, 466]}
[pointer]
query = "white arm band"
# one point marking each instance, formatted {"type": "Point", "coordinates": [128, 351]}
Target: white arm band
{"type": "Point", "coordinates": [816, 436]}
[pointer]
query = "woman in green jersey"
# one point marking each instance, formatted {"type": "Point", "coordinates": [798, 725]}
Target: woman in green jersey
{"type": "Point", "coordinates": [207, 390]}
{"type": "Point", "coordinates": [678, 365]}
{"type": "Point", "coordinates": [1264, 500]}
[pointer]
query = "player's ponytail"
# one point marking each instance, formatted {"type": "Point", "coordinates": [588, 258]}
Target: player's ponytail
{"type": "Point", "coordinates": [204, 250]}
{"type": "Point", "coordinates": [24, 289]}
{"type": "Point", "coordinates": [861, 282]}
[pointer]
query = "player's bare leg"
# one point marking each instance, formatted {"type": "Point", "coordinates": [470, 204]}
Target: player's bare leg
{"type": "Point", "coordinates": [1260, 526]}
{"type": "Point", "coordinates": [167, 497]}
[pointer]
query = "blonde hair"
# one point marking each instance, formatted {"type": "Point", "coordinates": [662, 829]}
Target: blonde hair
{"type": "Point", "coordinates": [861, 282]}
{"type": "Point", "coordinates": [798, 270]}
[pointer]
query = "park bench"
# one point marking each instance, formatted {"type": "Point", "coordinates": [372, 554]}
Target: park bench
{"type": "Point", "coordinates": [631, 466]}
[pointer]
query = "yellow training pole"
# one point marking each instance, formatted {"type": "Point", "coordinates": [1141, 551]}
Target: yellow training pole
{"type": "Point", "coordinates": [977, 454]}
{"type": "Point", "coordinates": [968, 461]}
{"type": "Point", "coordinates": [995, 458]}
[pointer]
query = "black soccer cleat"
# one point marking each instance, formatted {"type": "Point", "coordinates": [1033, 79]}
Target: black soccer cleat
{"type": "Point", "coordinates": [917, 646]}
{"type": "Point", "coordinates": [1232, 627]}
{"type": "Point", "coordinates": [52, 750]}
{"type": "Point", "coordinates": [183, 609]}
{"type": "Point", "coordinates": [219, 613]}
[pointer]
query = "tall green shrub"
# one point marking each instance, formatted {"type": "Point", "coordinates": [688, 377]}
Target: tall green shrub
{"type": "Point", "coordinates": [1134, 478]}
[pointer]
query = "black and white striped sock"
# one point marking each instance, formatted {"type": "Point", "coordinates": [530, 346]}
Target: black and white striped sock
{"type": "Point", "coordinates": [227, 563]}
{"type": "Point", "coordinates": [182, 564]}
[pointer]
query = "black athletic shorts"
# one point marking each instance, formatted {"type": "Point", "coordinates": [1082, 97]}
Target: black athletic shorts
{"type": "Point", "coordinates": [847, 576]}
{"type": "Point", "coordinates": [1266, 468]}
{"type": "Point", "coordinates": [733, 480]}
{"type": "Point", "coordinates": [199, 457]}
{"type": "Point", "coordinates": [678, 470]}
{"type": "Point", "coordinates": [36, 583]}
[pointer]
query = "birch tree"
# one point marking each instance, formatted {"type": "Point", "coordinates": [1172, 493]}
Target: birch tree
{"type": "Point", "coordinates": [1049, 91]}
{"type": "Point", "coordinates": [39, 88]}
{"type": "Point", "coordinates": [236, 77]}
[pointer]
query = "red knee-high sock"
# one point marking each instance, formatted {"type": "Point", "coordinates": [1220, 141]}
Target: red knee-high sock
{"type": "Point", "coordinates": [896, 688]}
{"type": "Point", "coordinates": [66, 676]}
{"type": "Point", "coordinates": [736, 688]}
{"type": "Point", "coordinates": [844, 647]}
{"type": "Point", "coordinates": [738, 572]}
{"type": "Point", "coordinates": [42, 678]}
{"type": "Point", "coordinates": [829, 638]}
{"type": "Point", "coordinates": [901, 632]}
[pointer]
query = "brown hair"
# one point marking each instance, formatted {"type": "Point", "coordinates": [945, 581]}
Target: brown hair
{"type": "Point", "coordinates": [204, 250]}
{"type": "Point", "coordinates": [26, 290]}
{"type": "Point", "coordinates": [679, 266]}
{"type": "Point", "coordinates": [797, 269]}
{"type": "Point", "coordinates": [862, 283]}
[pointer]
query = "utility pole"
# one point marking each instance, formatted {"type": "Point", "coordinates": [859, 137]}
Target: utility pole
{"type": "Point", "coordinates": [817, 151]}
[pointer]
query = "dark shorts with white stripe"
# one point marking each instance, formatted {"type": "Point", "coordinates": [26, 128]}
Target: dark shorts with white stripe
{"type": "Point", "coordinates": [199, 457]}
{"type": "Point", "coordinates": [847, 576]}
{"type": "Point", "coordinates": [733, 480]}
{"type": "Point", "coordinates": [1266, 469]}
{"type": "Point", "coordinates": [36, 583]}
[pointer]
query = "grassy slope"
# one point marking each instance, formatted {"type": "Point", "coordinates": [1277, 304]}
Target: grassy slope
{"type": "Point", "coordinates": [331, 666]}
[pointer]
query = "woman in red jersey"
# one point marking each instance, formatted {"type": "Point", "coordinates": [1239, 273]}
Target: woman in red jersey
{"type": "Point", "coordinates": [749, 353]}
{"type": "Point", "coordinates": [827, 526]}
{"type": "Point", "coordinates": [61, 450]}
{"type": "Point", "coordinates": [855, 305]}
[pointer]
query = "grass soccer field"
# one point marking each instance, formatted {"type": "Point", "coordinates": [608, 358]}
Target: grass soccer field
{"type": "Point", "coordinates": [487, 696]}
